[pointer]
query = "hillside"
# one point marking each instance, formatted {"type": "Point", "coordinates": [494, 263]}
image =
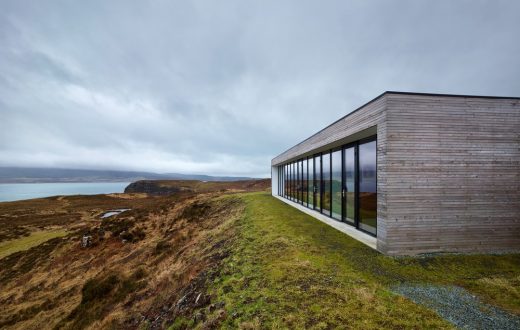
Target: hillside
{"type": "Point", "coordinates": [167, 187]}
{"type": "Point", "coordinates": [216, 256]}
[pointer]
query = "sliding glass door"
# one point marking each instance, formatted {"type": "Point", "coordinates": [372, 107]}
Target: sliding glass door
{"type": "Point", "coordinates": [336, 179]}
{"type": "Point", "coordinates": [310, 185]}
{"type": "Point", "coordinates": [285, 181]}
{"type": "Point", "coordinates": [302, 182]}
{"type": "Point", "coordinates": [317, 183]}
{"type": "Point", "coordinates": [293, 181]}
{"type": "Point", "coordinates": [305, 182]}
{"type": "Point", "coordinates": [325, 176]}
{"type": "Point", "coordinates": [290, 182]}
{"type": "Point", "coordinates": [349, 187]}
{"type": "Point", "coordinates": [368, 187]}
{"type": "Point", "coordinates": [298, 181]}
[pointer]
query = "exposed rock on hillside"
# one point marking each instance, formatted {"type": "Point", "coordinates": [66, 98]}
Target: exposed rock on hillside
{"type": "Point", "coordinates": [151, 187]}
{"type": "Point", "coordinates": [169, 187]}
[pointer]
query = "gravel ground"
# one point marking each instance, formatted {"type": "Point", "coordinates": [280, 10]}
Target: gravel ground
{"type": "Point", "coordinates": [460, 307]}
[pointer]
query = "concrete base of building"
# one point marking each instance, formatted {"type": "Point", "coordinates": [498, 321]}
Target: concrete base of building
{"type": "Point", "coordinates": [366, 239]}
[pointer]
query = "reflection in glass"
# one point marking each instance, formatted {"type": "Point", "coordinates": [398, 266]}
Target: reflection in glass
{"type": "Point", "coordinates": [350, 180]}
{"type": "Point", "coordinates": [293, 181]}
{"type": "Point", "coordinates": [336, 185]}
{"type": "Point", "coordinates": [282, 182]}
{"type": "Point", "coordinates": [288, 181]}
{"type": "Point", "coordinates": [280, 178]}
{"type": "Point", "coordinates": [317, 183]}
{"type": "Point", "coordinates": [297, 171]}
{"type": "Point", "coordinates": [285, 180]}
{"type": "Point", "coordinates": [325, 161]}
{"type": "Point", "coordinates": [304, 182]}
{"type": "Point", "coordinates": [300, 181]}
{"type": "Point", "coordinates": [295, 193]}
{"type": "Point", "coordinates": [328, 183]}
{"type": "Point", "coordinates": [368, 187]}
{"type": "Point", "coordinates": [310, 184]}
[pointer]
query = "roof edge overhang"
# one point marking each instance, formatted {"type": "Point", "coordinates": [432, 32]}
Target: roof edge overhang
{"type": "Point", "coordinates": [381, 96]}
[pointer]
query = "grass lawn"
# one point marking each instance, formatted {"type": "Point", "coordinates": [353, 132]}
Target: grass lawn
{"type": "Point", "coordinates": [288, 269]}
{"type": "Point", "coordinates": [27, 242]}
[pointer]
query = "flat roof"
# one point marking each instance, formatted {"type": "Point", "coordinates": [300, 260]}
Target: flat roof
{"type": "Point", "coordinates": [399, 93]}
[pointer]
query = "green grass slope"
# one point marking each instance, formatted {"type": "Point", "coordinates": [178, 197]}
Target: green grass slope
{"type": "Point", "coordinates": [33, 239]}
{"type": "Point", "coordinates": [288, 270]}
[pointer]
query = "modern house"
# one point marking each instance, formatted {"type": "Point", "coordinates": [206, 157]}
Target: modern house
{"type": "Point", "coordinates": [411, 173]}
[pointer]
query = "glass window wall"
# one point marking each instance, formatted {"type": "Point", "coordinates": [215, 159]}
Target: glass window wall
{"type": "Point", "coordinates": [341, 184]}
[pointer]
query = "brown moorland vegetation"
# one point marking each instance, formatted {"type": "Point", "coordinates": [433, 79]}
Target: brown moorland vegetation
{"type": "Point", "coordinates": [139, 267]}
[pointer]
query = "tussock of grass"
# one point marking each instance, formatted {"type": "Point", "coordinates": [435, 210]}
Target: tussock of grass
{"type": "Point", "coordinates": [27, 242]}
{"type": "Point", "coordinates": [161, 247]}
{"type": "Point", "coordinates": [100, 294]}
{"type": "Point", "coordinates": [290, 270]}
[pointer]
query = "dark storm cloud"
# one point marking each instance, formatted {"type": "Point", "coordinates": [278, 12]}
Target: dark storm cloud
{"type": "Point", "coordinates": [221, 87]}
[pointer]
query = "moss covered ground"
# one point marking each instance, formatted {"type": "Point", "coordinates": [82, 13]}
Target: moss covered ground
{"type": "Point", "coordinates": [288, 270]}
{"type": "Point", "coordinates": [27, 242]}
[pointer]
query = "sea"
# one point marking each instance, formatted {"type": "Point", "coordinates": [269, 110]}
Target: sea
{"type": "Point", "coordinates": [21, 191]}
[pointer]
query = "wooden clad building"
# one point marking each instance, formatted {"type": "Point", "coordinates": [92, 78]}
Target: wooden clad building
{"type": "Point", "coordinates": [413, 173]}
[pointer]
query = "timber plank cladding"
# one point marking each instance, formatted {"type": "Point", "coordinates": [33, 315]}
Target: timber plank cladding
{"type": "Point", "coordinates": [448, 170]}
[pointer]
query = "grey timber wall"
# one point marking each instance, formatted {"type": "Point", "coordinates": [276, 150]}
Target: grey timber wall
{"type": "Point", "coordinates": [448, 170]}
{"type": "Point", "coordinates": [453, 174]}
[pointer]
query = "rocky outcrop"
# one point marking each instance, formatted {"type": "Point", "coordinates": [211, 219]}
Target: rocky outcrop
{"type": "Point", "coordinates": [168, 187]}
{"type": "Point", "coordinates": [151, 187]}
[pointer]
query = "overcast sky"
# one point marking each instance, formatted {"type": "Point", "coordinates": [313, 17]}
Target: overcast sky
{"type": "Point", "coordinates": [221, 87]}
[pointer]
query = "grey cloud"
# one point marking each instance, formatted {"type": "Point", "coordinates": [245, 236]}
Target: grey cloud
{"type": "Point", "coordinates": [222, 87]}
